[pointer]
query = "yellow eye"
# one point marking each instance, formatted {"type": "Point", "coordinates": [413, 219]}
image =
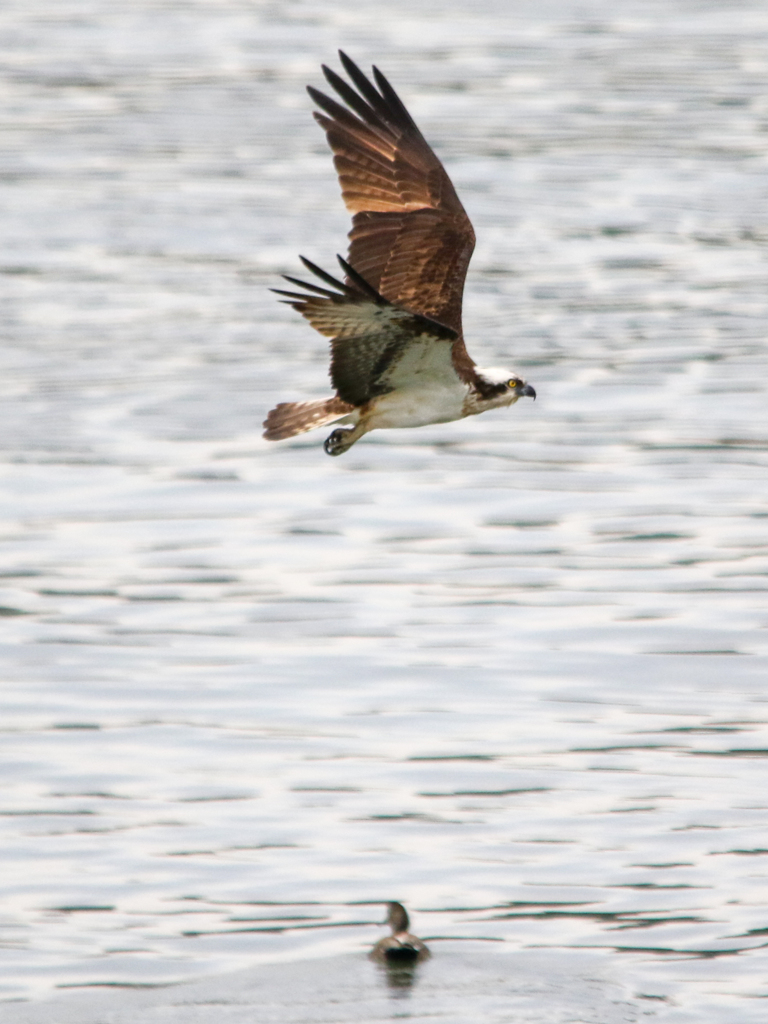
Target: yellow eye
{"type": "Point", "coordinates": [513, 383]}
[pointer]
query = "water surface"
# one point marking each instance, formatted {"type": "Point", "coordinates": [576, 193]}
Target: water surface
{"type": "Point", "coordinates": [510, 671]}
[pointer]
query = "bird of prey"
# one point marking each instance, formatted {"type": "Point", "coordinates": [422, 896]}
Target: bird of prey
{"type": "Point", "coordinates": [397, 353]}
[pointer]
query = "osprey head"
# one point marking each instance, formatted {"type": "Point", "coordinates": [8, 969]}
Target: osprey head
{"type": "Point", "coordinates": [504, 388]}
{"type": "Point", "coordinates": [520, 388]}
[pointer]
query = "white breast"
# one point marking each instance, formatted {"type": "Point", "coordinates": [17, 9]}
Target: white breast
{"type": "Point", "coordinates": [425, 387]}
{"type": "Point", "coordinates": [416, 407]}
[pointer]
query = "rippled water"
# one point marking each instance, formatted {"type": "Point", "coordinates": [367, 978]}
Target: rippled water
{"type": "Point", "coordinates": [511, 671]}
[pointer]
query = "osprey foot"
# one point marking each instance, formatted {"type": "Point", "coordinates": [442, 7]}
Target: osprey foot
{"type": "Point", "coordinates": [336, 443]}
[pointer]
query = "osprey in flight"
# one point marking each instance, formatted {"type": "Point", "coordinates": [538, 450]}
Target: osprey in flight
{"type": "Point", "coordinates": [397, 353]}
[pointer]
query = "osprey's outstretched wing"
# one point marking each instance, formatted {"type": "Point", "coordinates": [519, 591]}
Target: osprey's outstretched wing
{"type": "Point", "coordinates": [375, 344]}
{"type": "Point", "coordinates": [410, 237]}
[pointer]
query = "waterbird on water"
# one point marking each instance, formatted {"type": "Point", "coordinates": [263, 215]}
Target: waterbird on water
{"type": "Point", "coordinates": [400, 948]}
{"type": "Point", "coordinates": [398, 357]}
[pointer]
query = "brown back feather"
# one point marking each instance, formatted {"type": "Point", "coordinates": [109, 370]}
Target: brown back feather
{"type": "Point", "coordinates": [411, 238]}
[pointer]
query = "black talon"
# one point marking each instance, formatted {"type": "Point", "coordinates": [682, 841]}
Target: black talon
{"type": "Point", "coordinates": [333, 443]}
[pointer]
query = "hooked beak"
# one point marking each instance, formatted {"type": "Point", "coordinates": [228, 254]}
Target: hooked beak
{"type": "Point", "coordinates": [527, 391]}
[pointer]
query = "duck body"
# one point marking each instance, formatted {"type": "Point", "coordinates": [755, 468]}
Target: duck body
{"type": "Point", "coordinates": [401, 948]}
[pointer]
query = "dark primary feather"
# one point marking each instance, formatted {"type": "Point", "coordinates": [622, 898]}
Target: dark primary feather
{"type": "Point", "coordinates": [368, 331]}
{"type": "Point", "coordinates": [410, 237]}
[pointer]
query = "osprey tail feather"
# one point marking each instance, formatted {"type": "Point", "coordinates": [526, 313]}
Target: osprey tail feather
{"type": "Point", "coordinates": [290, 418]}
